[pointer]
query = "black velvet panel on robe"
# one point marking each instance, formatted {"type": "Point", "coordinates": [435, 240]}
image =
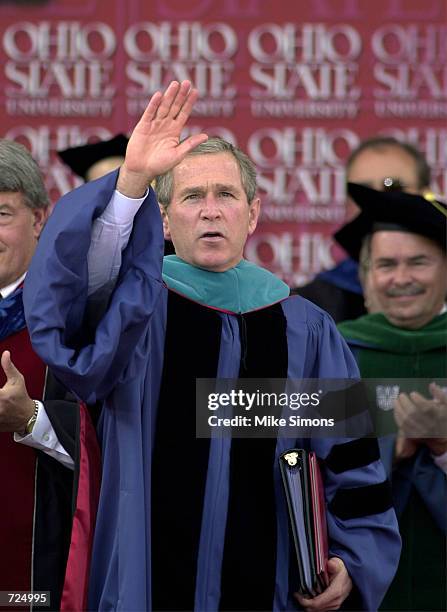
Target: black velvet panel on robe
{"type": "Point", "coordinates": [248, 572]}
{"type": "Point", "coordinates": [53, 526]}
{"type": "Point", "coordinates": [180, 461]}
{"type": "Point", "coordinates": [57, 488]}
{"type": "Point", "coordinates": [180, 464]}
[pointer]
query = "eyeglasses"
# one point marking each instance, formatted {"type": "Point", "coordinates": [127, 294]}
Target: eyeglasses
{"type": "Point", "coordinates": [389, 183]}
{"type": "Point", "coordinates": [393, 184]}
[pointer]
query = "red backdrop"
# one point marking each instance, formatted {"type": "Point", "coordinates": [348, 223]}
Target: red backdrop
{"type": "Point", "coordinates": [294, 84]}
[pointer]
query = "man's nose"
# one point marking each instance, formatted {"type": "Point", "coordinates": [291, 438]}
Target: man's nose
{"type": "Point", "coordinates": [210, 207]}
{"type": "Point", "coordinates": [402, 275]}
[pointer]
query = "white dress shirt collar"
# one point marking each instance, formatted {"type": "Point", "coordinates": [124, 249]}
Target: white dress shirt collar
{"type": "Point", "coordinates": [5, 291]}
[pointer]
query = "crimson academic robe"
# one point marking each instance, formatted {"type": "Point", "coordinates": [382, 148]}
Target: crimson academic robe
{"type": "Point", "coordinates": [47, 510]}
{"type": "Point", "coordinates": [186, 523]}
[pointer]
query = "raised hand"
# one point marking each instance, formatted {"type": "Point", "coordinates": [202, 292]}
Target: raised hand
{"type": "Point", "coordinates": [16, 406]}
{"type": "Point", "coordinates": [154, 147]}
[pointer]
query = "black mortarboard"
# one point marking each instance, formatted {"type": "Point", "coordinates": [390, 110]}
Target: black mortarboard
{"type": "Point", "coordinates": [392, 210]}
{"type": "Point", "coordinates": [81, 159]}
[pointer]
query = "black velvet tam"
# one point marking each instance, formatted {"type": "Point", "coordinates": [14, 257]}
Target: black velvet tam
{"type": "Point", "coordinates": [81, 159]}
{"type": "Point", "coordinates": [393, 211]}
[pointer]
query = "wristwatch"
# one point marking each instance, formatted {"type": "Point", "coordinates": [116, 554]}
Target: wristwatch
{"type": "Point", "coordinates": [30, 424]}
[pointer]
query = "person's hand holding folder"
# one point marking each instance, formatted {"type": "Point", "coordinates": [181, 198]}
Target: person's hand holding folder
{"type": "Point", "coordinates": [323, 583]}
{"type": "Point", "coordinates": [340, 585]}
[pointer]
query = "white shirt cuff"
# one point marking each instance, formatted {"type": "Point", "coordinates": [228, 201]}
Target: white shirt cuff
{"type": "Point", "coordinates": [122, 209]}
{"type": "Point", "coordinates": [44, 438]}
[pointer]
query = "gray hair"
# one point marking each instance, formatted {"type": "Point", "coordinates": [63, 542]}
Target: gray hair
{"type": "Point", "coordinates": [365, 258]}
{"type": "Point", "coordinates": [164, 184]}
{"type": "Point", "coordinates": [19, 173]}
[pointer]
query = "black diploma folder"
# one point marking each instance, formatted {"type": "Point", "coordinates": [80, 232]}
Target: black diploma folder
{"type": "Point", "coordinates": [304, 492]}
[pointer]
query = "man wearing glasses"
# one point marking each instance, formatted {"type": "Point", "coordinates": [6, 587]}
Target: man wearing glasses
{"type": "Point", "coordinates": [385, 164]}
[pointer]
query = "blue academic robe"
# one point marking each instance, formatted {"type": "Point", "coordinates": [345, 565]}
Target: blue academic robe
{"type": "Point", "coordinates": [120, 361]}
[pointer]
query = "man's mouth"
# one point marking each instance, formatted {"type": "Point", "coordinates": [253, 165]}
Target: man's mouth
{"type": "Point", "coordinates": [212, 235]}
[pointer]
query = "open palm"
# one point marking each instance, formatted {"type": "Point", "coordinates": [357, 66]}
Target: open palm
{"type": "Point", "coordinates": [154, 147]}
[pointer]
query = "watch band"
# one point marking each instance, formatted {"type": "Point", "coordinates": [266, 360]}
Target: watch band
{"type": "Point", "coordinates": [30, 424]}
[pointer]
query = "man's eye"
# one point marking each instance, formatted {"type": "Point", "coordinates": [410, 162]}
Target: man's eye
{"type": "Point", "coordinates": [225, 194]}
{"type": "Point", "coordinates": [192, 196]}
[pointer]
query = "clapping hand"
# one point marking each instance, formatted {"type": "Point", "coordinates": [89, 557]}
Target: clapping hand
{"type": "Point", "coordinates": [421, 421]}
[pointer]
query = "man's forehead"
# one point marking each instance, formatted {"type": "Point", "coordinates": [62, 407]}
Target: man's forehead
{"type": "Point", "coordinates": [397, 244]}
{"type": "Point", "coordinates": [384, 155]}
{"type": "Point", "coordinates": [373, 165]}
{"type": "Point", "coordinates": [12, 198]}
{"type": "Point", "coordinates": [207, 170]}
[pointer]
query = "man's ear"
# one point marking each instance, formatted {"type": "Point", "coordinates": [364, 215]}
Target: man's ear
{"type": "Point", "coordinates": [165, 219]}
{"type": "Point", "coordinates": [255, 209]}
{"type": "Point", "coordinates": [40, 218]}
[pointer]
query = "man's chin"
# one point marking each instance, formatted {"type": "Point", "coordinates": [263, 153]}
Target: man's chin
{"type": "Point", "coordinates": [213, 264]}
{"type": "Point", "coordinates": [405, 306]}
{"type": "Point", "coordinates": [405, 318]}
{"type": "Point", "coordinates": [214, 260]}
